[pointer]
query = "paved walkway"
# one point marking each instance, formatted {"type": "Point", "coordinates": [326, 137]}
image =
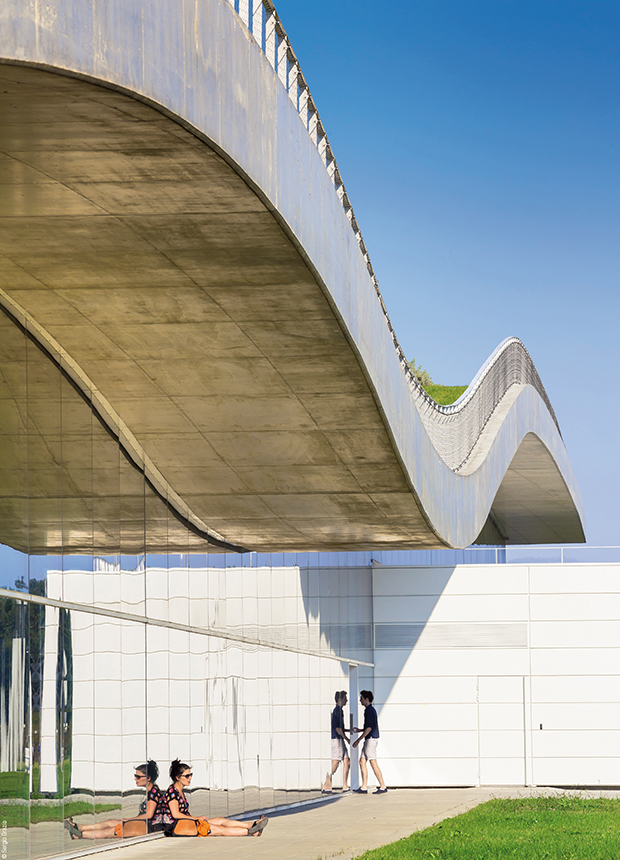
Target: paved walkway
{"type": "Point", "coordinates": [342, 828]}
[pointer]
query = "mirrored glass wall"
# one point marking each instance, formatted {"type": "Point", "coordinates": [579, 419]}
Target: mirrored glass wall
{"type": "Point", "coordinates": [125, 638]}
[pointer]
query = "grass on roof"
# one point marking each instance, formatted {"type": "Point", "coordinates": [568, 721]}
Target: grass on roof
{"type": "Point", "coordinates": [445, 394]}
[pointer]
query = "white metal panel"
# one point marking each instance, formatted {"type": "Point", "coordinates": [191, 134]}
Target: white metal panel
{"type": "Point", "coordinates": [567, 771]}
{"type": "Point", "coordinates": [575, 607]}
{"type": "Point", "coordinates": [403, 608]}
{"type": "Point", "coordinates": [430, 771]}
{"type": "Point", "coordinates": [428, 744]}
{"type": "Point", "coordinates": [577, 716]}
{"type": "Point", "coordinates": [502, 716]}
{"type": "Point", "coordinates": [574, 661]}
{"type": "Point", "coordinates": [562, 579]}
{"type": "Point", "coordinates": [576, 688]}
{"type": "Point", "coordinates": [488, 607]}
{"type": "Point", "coordinates": [423, 717]}
{"type": "Point", "coordinates": [574, 744]}
{"type": "Point", "coordinates": [568, 634]}
{"type": "Point", "coordinates": [460, 579]}
{"type": "Point", "coordinates": [495, 689]}
{"type": "Point", "coordinates": [502, 744]}
{"type": "Point", "coordinates": [427, 690]}
{"type": "Point", "coordinates": [489, 579]}
{"type": "Point", "coordinates": [468, 661]}
{"type": "Point", "coordinates": [502, 771]}
{"type": "Point", "coordinates": [481, 607]}
{"type": "Point", "coordinates": [388, 581]}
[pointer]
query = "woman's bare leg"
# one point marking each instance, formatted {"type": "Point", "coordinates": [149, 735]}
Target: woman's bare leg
{"type": "Point", "coordinates": [228, 822]}
{"type": "Point", "coordinates": [237, 830]}
{"type": "Point", "coordinates": [100, 825]}
{"type": "Point", "coordinates": [99, 834]}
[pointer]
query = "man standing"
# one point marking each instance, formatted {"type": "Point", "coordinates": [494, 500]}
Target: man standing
{"type": "Point", "coordinates": [340, 752]}
{"type": "Point", "coordinates": [370, 737]}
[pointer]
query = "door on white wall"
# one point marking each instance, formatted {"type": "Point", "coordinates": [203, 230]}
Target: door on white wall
{"type": "Point", "coordinates": [503, 730]}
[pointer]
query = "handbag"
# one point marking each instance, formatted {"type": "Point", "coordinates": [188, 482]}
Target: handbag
{"type": "Point", "coordinates": [191, 827]}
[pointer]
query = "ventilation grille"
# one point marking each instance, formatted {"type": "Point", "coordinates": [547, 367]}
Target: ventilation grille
{"type": "Point", "coordinates": [437, 636]}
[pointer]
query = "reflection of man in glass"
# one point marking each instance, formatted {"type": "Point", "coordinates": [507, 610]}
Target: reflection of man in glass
{"type": "Point", "coordinates": [340, 752]}
{"type": "Point", "coordinates": [370, 739]}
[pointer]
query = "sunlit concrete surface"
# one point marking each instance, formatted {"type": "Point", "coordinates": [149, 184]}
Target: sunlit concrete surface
{"type": "Point", "coordinates": [202, 287]}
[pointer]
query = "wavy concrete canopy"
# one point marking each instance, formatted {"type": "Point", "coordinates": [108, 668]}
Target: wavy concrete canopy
{"type": "Point", "coordinates": [176, 237]}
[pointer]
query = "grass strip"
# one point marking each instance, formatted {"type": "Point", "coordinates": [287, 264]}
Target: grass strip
{"type": "Point", "coordinates": [22, 816]}
{"type": "Point", "coordinates": [564, 827]}
{"type": "Point", "coordinates": [14, 783]}
{"type": "Point", "coordinates": [445, 394]}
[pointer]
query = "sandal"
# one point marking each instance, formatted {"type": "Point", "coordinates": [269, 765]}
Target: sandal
{"type": "Point", "coordinates": [258, 826]}
{"type": "Point", "coordinates": [73, 829]}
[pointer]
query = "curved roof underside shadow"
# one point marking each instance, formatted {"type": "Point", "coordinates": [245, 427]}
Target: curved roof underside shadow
{"type": "Point", "coordinates": [204, 293]}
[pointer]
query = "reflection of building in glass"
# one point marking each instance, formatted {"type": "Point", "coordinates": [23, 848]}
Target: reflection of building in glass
{"type": "Point", "coordinates": [13, 673]}
{"type": "Point", "coordinates": [231, 668]}
{"type": "Point", "coordinates": [172, 685]}
{"type": "Point", "coordinates": [56, 707]}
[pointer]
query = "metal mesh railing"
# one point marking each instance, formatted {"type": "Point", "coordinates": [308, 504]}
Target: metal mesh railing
{"type": "Point", "coordinates": [454, 430]}
{"type": "Point", "coordinates": [261, 19]}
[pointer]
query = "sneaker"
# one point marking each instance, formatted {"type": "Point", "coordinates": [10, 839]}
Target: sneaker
{"type": "Point", "coordinates": [361, 791]}
{"type": "Point", "coordinates": [380, 791]}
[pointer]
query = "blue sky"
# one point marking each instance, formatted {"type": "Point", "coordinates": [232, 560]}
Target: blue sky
{"type": "Point", "coordinates": [480, 146]}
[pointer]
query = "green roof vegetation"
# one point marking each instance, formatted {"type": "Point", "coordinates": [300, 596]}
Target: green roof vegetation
{"type": "Point", "coordinates": [442, 394]}
{"type": "Point", "coordinates": [445, 394]}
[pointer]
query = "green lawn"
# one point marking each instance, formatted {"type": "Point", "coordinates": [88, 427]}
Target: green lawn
{"type": "Point", "coordinates": [566, 827]}
{"type": "Point", "coordinates": [14, 783]}
{"type": "Point", "coordinates": [445, 394]}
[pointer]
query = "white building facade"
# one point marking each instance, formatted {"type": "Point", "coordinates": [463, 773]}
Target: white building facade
{"type": "Point", "coordinates": [483, 674]}
{"type": "Point", "coordinates": [498, 674]}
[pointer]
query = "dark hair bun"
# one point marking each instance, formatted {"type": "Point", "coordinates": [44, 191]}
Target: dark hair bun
{"type": "Point", "coordinates": [176, 769]}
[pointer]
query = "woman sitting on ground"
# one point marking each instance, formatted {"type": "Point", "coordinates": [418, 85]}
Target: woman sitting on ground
{"type": "Point", "coordinates": [153, 814]}
{"type": "Point", "coordinates": [192, 825]}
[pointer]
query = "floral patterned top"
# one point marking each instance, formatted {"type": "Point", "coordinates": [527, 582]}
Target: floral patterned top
{"type": "Point", "coordinates": [174, 794]}
{"type": "Point", "coordinates": [162, 813]}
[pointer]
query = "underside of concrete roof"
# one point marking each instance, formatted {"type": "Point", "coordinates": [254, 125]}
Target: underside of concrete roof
{"type": "Point", "coordinates": [172, 242]}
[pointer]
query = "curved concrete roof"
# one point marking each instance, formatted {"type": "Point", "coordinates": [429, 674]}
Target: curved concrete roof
{"type": "Point", "coordinates": [204, 289]}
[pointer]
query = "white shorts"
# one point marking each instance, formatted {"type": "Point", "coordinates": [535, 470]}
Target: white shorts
{"type": "Point", "coordinates": [369, 750]}
{"type": "Point", "coordinates": [339, 749]}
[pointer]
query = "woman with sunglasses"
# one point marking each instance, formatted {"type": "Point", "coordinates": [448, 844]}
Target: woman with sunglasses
{"type": "Point", "coordinates": [192, 825]}
{"type": "Point", "coordinates": [153, 813]}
